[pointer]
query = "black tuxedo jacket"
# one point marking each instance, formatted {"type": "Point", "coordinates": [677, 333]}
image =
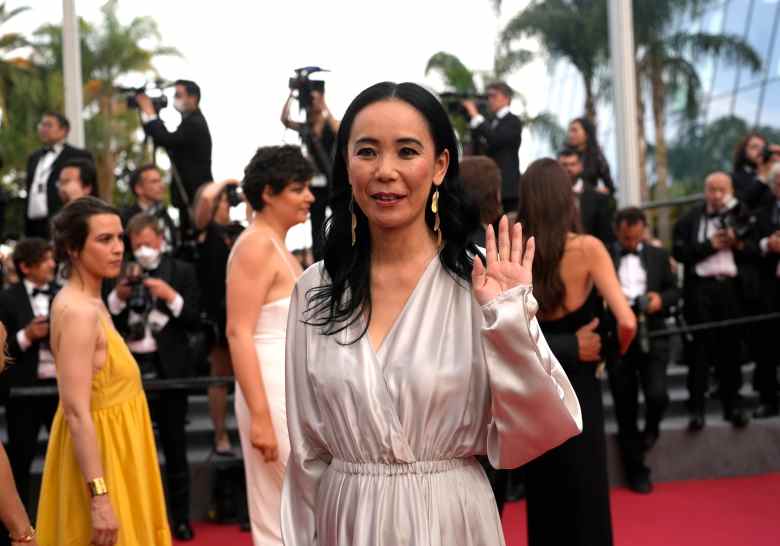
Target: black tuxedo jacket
{"type": "Point", "coordinates": [688, 250]}
{"type": "Point", "coordinates": [502, 144]}
{"type": "Point", "coordinates": [189, 148]}
{"type": "Point", "coordinates": [750, 190]}
{"type": "Point", "coordinates": [596, 215]}
{"type": "Point", "coordinates": [16, 313]}
{"type": "Point", "coordinates": [660, 279]}
{"type": "Point", "coordinates": [172, 340]}
{"type": "Point", "coordinates": [52, 195]}
{"type": "Point", "coordinates": [767, 222]}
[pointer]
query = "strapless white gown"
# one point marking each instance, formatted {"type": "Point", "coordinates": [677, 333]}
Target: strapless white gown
{"type": "Point", "coordinates": [264, 480]}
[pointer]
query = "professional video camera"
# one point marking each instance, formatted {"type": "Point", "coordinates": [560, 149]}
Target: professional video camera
{"type": "Point", "coordinates": [453, 102]}
{"type": "Point", "coordinates": [159, 100]}
{"type": "Point", "coordinates": [305, 86]}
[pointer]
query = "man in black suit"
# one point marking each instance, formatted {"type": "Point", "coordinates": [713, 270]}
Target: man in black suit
{"type": "Point", "coordinates": [650, 286]}
{"type": "Point", "coordinates": [155, 327]}
{"type": "Point", "coordinates": [189, 147]}
{"type": "Point", "coordinates": [147, 185]}
{"type": "Point", "coordinates": [768, 356]}
{"type": "Point", "coordinates": [43, 171]}
{"type": "Point", "coordinates": [595, 207]}
{"type": "Point", "coordinates": [24, 310]}
{"type": "Point", "coordinates": [499, 138]}
{"type": "Point", "coordinates": [719, 277]}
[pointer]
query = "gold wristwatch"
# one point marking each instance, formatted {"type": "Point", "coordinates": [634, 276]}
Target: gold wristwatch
{"type": "Point", "coordinates": [97, 487]}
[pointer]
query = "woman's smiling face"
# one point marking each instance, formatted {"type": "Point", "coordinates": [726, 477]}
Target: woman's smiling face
{"type": "Point", "coordinates": [392, 163]}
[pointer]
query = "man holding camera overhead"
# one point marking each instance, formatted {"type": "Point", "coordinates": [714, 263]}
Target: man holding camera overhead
{"type": "Point", "coordinates": [189, 146]}
{"type": "Point", "coordinates": [713, 242]}
{"type": "Point", "coordinates": [649, 285]}
{"type": "Point", "coordinates": [318, 134]}
{"type": "Point", "coordinates": [154, 305]}
{"type": "Point", "coordinates": [24, 310]}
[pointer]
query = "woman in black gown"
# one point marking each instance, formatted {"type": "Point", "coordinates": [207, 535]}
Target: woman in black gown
{"type": "Point", "coordinates": [567, 488]}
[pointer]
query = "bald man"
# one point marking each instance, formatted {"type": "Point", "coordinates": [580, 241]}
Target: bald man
{"type": "Point", "coordinates": [717, 260]}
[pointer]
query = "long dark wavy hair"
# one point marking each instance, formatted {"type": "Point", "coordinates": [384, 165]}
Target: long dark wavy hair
{"type": "Point", "coordinates": [346, 294]}
{"type": "Point", "coordinates": [548, 213]}
{"type": "Point", "coordinates": [740, 152]}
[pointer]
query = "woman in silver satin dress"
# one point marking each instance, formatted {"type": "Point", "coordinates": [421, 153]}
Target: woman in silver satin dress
{"type": "Point", "coordinates": [405, 356]}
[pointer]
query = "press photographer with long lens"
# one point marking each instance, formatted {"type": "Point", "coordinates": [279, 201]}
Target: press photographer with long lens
{"type": "Point", "coordinates": [318, 134]}
{"type": "Point", "coordinates": [647, 281]}
{"type": "Point", "coordinates": [712, 242]}
{"type": "Point", "coordinates": [189, 146]}
{"type": "Point", "coordinates": [154, 305]}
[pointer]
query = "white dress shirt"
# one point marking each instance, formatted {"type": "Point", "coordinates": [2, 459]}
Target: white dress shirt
{"type": "Point", "coordinates": [720, 264]}
{"type": "Point", "coordinates": [148, 344]}
{"type": "Point", "coordinates": [37, 203]}
{"type": "Point", "coordinates": [479, 119]}
{"type": "Point", "coordinates": [632, 275]}
{"type": "Point", "coordinates": [40, 306]}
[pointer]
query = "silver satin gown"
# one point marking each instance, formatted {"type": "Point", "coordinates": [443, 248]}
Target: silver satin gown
{"type": "Point", "coordinates": [383, 444]}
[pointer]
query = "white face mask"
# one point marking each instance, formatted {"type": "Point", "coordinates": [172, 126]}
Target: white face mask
{"type": "Point", "coordinates": [178, 104]}
{"type": "Point", "coordinates": [147, 257]}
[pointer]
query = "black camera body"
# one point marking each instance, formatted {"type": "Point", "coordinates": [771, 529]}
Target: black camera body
{"type": "Point", "coordinates": [304, 85]}
{"type": "Point", "coordinates": [139, 302]}
{"type": "Point", "coordinates": [640, 306]}
{"type": "Point", "coordinates": [159, 102]}
{"type": "Point", "coordinates": [234, 195]}
{"type": "Point", "coordinates": [741, 224]}
{"type": "Point", "coordinates": [453, 102]}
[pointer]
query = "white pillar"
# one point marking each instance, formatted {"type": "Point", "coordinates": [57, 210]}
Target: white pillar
{"type": "Point", "coordinates": [71, 61]}
{"type": "Point", "coordinates": [623, 55]}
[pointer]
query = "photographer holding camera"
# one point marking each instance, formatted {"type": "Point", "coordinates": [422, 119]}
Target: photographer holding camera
{"type": "Point", "coordinates": [154, 305]}
{"type": "Point", "coordinates": [216, 236]}
{"type": "Point", "coordinates": [753, 159]}
{"type": "Point", "coordinates": [650, 287]}
{"type": "Point", "coordinates": [714, 243]}
{"type": "Point", "coordinates": [189, 147]}
{"type": "Point", "coordinates": [500, 137]}
{"type": "Point", "coordinates": [147, 185]}
{"type": "Point", "coordinates": [318, 134]}
{"type": "Point", "coordinates": [24, 309]}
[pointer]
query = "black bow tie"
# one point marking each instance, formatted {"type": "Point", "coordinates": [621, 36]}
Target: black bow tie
{"type": "Point", "coordinates": [713, 215]}
{"type": "Point", "coordinates": [626, 252]}
{"type": "Point", "coordinates": [48, 149]}
{"type": "Point", "coordinates": [41, 291]}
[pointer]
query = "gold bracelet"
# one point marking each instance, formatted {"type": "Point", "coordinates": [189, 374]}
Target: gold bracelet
{"type": "Point", "coordinates": [97, 487]}
{"type": "Point", "coordinates": [25, 538]}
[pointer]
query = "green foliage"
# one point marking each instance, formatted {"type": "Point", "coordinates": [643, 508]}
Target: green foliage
{"type": "Point", "coordinates": [110, 50]}
{"type": "Point", "coordinates": [574, 30]}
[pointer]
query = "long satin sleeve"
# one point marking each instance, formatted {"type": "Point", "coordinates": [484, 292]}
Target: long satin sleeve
{"type": "Point", "coordinates": [308, 457]}
{"type": "Point", "coordinates": [533, 405]}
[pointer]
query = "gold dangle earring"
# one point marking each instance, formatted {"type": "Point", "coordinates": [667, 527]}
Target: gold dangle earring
{"type": "Point", "coordinates": [354, 218]}
{"type": "Point", "coordinates": [436, 222]}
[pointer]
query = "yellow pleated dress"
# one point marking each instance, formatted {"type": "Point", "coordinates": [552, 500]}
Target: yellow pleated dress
{"type": "Point", "coordinates": [129, 454]}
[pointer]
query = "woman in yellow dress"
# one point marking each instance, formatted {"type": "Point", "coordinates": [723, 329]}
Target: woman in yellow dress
{"type": "Point", "coordinates": [101, 480]}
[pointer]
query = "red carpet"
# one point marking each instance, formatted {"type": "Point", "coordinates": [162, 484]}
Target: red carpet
{"type": "Point", "coordinates": [726, 512]}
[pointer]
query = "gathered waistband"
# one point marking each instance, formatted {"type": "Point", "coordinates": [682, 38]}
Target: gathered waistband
{"type": "Point", "coordinates": [396, 469]}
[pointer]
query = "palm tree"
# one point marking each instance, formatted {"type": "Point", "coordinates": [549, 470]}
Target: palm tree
{"type": "Point", "coordinates": [574, 30]}
{"type": "Point", "coordinates": [462, 80]}
{"type": "Point", "coordinates": [9, 42]}
{"type": "Point", "coordinates": [109, 50]}
{"type": "Point", "coordinates": [665, 67]}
